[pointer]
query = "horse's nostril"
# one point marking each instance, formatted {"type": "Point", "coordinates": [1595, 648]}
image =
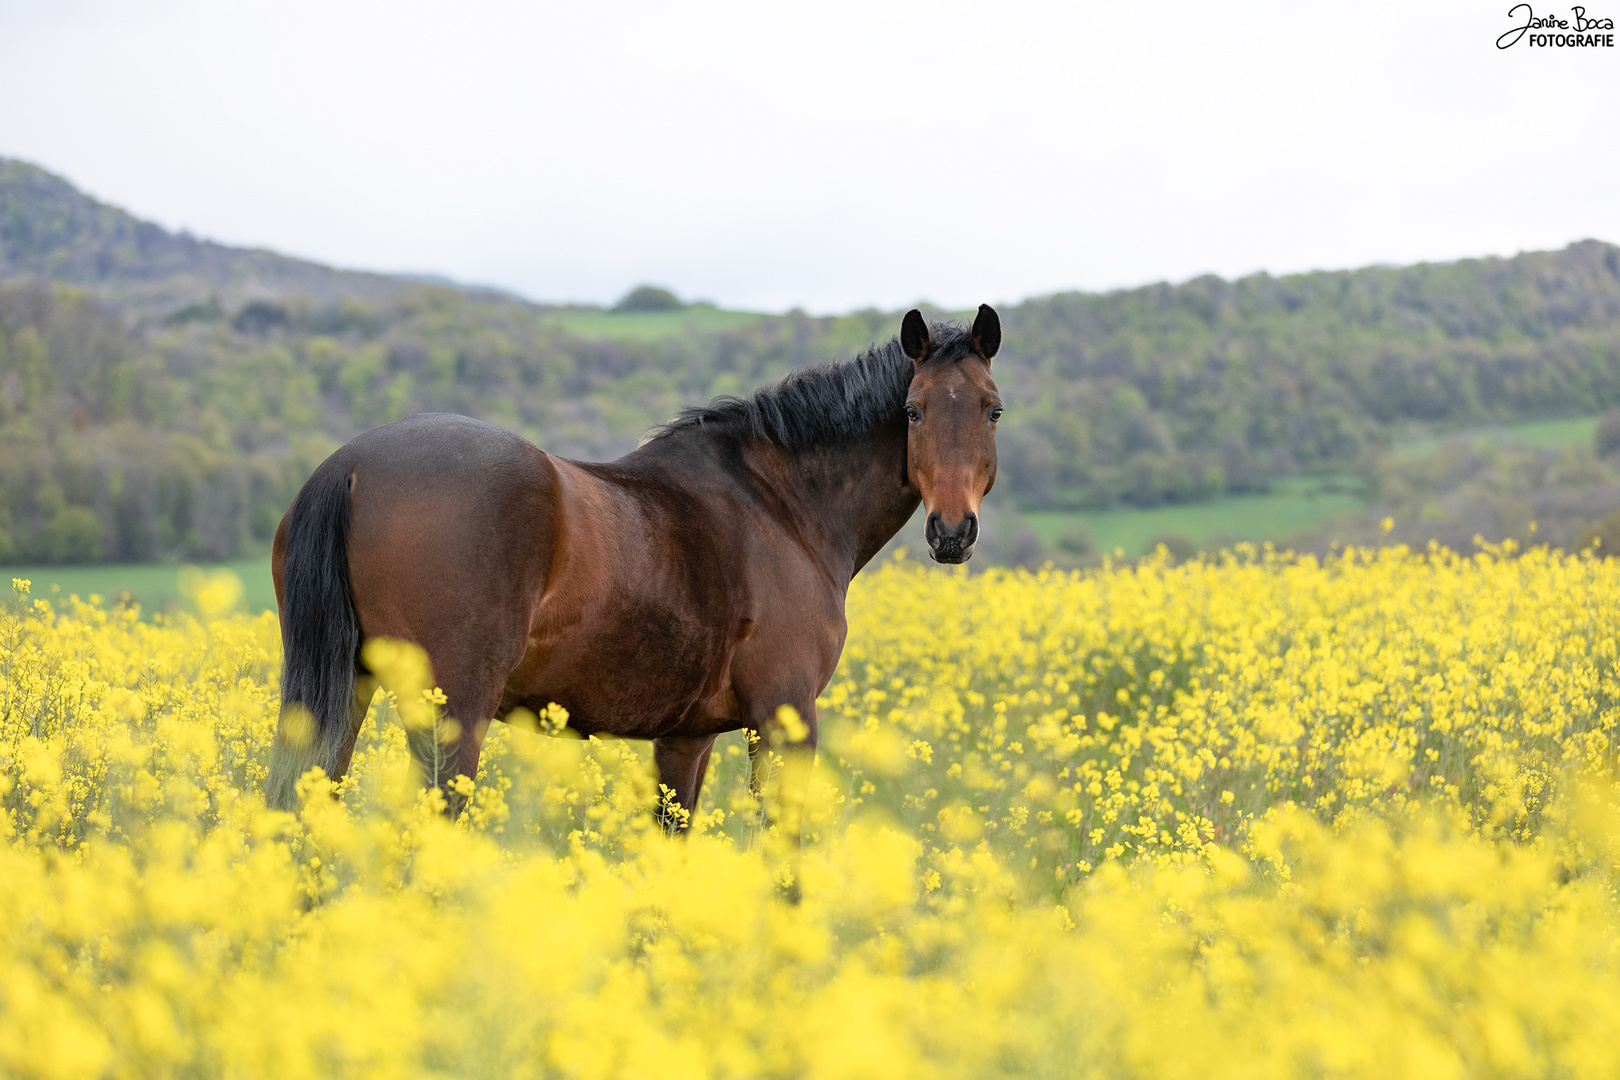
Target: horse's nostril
{"type": "Point", "coordinates": [950, 543]}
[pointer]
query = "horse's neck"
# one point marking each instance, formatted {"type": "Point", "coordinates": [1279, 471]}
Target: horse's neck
{"type": "Point", "coordinates": [848, 500]}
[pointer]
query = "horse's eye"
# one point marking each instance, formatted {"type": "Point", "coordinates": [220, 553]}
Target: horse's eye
{"type": "Point", "coordinates": [995, 414]}
{"type": "Point", "coordinates": [913, 413]}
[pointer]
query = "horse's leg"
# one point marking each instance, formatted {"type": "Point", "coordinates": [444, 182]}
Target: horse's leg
{"type": "Point", "coordinates": [683, 762]}
{"type": "Point", "coordinates": [780, 762]}
{"type": "Point", "coordinates": [365, 688]}
{"type": "Point", "coordinates": [758, 763]}
{"type": "Point", "coordinates": [472, 692]}
{"type": "Point", "coordinates": [798, 750]}
{"type": "Point", "coordinates": [780, 773]}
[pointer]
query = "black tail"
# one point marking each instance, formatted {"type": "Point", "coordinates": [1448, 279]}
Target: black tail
{"type": "Point", "coordinates": [320, 638]}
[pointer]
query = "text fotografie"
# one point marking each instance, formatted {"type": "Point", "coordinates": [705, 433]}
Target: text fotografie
{"type": "Point", "coordinates": [1579, 32]}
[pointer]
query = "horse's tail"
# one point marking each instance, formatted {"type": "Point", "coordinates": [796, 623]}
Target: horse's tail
{"type": "Point", "coordinates": [320, 637]}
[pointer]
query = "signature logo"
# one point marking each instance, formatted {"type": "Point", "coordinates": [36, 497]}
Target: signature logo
{"type": "Point", "coordinates": [1575, 32]}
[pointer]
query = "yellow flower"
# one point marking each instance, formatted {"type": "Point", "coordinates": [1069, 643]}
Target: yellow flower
{"type": "Point", "coordinates": [1249, 815]}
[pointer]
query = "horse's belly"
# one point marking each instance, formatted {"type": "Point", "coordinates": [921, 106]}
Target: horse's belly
{"type": "Point", "coordinates": [632, 685]}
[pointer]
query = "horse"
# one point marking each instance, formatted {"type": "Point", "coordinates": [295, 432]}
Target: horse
{"type": "Point", "coordinates": [689, 588]}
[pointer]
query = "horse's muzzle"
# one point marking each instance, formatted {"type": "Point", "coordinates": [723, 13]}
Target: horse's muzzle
{"type": "Point", "coordinates": [953, 544]}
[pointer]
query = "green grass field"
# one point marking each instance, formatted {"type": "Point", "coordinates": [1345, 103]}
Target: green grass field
{"type": "Point", "coordinates": [1571, 431]}
{"type": "Point", "coordinates": [155, 587]}
{"type": "Point", "coordinates": [1292, 506]}
{"type": "Point", "coordinates": [650, 325]}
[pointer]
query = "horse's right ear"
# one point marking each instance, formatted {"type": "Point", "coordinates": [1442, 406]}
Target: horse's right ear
{"type": "Point", "coordinates": [914, 336]}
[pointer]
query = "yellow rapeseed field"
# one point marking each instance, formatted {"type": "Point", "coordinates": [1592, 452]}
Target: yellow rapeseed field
{"type": "Point", "coordinates": [1253, 816]}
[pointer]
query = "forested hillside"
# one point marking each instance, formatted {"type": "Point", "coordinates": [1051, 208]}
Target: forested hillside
{"type": "Point", "coordinates": [162, 396]}
{"type": "Point", "coordinates": [1177, 392]}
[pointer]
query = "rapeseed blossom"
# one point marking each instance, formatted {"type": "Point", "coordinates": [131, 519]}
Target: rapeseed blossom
{"type": "Point", "coordinates": [1253, 816]}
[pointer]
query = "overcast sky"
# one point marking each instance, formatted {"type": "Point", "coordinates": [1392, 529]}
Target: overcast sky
{"type": "Point", "coordinates": [827, 155]}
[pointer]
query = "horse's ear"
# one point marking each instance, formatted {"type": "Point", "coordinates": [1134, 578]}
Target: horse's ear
{"type": "Point", "coordinates": [914, 336]}
{"type": "Point", "coordinates": [987, 332]}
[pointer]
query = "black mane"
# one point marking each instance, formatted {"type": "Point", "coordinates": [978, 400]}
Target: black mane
{"type": "Point", "coordinates": [830, 403]}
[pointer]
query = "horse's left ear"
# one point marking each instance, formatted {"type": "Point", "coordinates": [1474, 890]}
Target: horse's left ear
{"type": "Point", "coordinates": [987, 332]}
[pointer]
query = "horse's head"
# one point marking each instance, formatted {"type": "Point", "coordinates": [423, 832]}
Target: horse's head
{"type": "Point", "coordinates": [952, 409]}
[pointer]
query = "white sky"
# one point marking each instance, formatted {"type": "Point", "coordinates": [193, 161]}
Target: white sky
{"type": "Point", "coordinates": [828, 155]}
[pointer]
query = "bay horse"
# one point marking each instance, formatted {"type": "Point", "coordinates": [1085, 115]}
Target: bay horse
{"type": "Point", "coordinates": [687, 589]}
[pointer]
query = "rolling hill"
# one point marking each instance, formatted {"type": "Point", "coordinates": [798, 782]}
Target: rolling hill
{"type": "Point", "coordinates": [162, 396]}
